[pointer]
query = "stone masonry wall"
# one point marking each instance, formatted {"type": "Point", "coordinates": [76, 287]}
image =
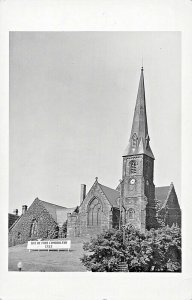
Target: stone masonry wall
{"type": "Point", "coordinates": [171, 213]}
{"type": "Point", "coordinates": [78, 223]}
{"type": "Point", "coordinates": [20, 232]}
{"type": "Point", "coordinates": [106, 214]}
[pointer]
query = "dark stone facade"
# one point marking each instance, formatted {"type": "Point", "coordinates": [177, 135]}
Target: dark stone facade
{"type": "Point", "coordinates": [169, 213]}
{"type": "Point", "coordinates": [96, 213]}
{"type": "Point", "coordinates": [136, 203]}
{"type": "Point", "coordinates": [138, 192]}
{"type": "Point", "coordinates": [21, 231]}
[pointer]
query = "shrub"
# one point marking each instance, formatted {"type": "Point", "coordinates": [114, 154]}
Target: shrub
{"type": "Point", "coordinates": [53, 232]}
{"type": "Point", "coordinates": [158, 250]}
{"type": "Point", "coordinates": [63, 230]}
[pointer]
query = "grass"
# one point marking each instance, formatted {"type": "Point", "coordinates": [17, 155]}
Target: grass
{"type": "Point", "coordinates": [44, 261]}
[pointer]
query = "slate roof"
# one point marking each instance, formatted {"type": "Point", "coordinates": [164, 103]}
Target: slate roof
{"type": "Point", "coordinates": [12, 219]}
{"type": "Point", "coordinates": [161, 194]}
{"type": "Point", "coordinates": [111, 194]}
{"type": "Point", "coordinates": [139, 125]}
{"type": "Point", "coordinates": [59, 213]}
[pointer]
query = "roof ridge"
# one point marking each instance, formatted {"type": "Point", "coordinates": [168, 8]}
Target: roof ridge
{"type": "Point", "coordinates": [55, 204]}
{"type": "Point", "coordinates": [104, 192]}
{"type": "Point", "coordinates": [109, 200]}
{"type": "Point", "coordinates": [108, 187]}
{"type": "Point", "coordinates": [168, 194]}
{"type": "Point", "coordinates": [15, 222]}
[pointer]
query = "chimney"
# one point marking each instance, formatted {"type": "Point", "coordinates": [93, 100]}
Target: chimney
{"type": "Point", "coordinates": [15, 212]}
{"type": "Point", "coordinates": [83, 193]}
{"type": "Point", "coordinates": [24, 209]}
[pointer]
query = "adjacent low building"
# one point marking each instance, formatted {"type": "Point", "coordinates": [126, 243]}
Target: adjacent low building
{"type": "Point", "coordinates": [41, 220]}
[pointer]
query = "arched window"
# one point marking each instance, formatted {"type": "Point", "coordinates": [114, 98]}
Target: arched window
{"type": "Point", "coordinates": [131, 213]}
{"type": "Point", "coordinates": [134, 140]}
{"type": "Point", "coordinates": [132, 166]}
{"type": "Point", "coordinates": [33, 228]}
{"type": "Point", "coordinates": [94, 213]}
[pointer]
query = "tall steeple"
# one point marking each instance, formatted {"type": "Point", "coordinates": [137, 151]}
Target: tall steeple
{"type": "Point", "coordinates": [139, 139]}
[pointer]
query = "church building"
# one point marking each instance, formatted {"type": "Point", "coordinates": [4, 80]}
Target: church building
{"type": "Point", "coordinates": [42, 220]}
{"type": "Point", "coordinates": [136, 202]}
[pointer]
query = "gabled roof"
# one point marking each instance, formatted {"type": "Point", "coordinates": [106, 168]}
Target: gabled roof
{"type": "Point", "coordinates": [111, 194]}
{"type": "Point", "coordinates": [161, 194]}
{"type": "Point", "coordinates": [12, 219]}
{"type": "Point", "coordinates": [59, 213]}
{"type": "Point", "coordinates": [164, 196]}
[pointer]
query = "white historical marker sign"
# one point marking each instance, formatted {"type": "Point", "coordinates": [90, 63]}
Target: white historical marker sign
{"type": "Point", "coordinates": [49, 245]}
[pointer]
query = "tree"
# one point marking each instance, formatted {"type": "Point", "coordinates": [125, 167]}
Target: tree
{"type": "Point", "coordinates": [63, 230]}
{"type": "Point", "coordinates": [158, 250]}
{"type": "Point", "coordinates": [53, 232]}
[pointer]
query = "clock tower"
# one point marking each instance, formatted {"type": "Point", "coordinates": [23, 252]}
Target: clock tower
{"type": "Point", "coordinates": [137, 187]}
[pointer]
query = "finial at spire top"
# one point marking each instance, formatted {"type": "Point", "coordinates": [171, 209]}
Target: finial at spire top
{"type": "Point", "coordinates": [142, 64]}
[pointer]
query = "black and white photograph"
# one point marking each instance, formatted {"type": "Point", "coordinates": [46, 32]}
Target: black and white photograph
{"type": "Point", "coordinates": [95, 144]}
{"type": "Point", "coordinates": [95, 152]}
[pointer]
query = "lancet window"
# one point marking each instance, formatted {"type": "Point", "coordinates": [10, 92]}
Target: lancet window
{"type": "Point", "coordinates": [94, 213]}
{"type": "Point", "coordinates": [131, 213]}
{"type": "Point", "coordinates": [132, 166]}
{"type": "Point", "coordinates": [134, 140]}
{"type": "Point", "coordinates": [34, 228]}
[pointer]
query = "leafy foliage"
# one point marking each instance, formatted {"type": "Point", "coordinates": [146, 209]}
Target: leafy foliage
{"type": "Point", "coordinates": [53, 232]}
{"type": "Point", "coordinates": [158, 250]}
{"type": "Point", "coordinates": [63, 230]}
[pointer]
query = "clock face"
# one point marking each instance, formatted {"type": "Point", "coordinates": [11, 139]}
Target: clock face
{"type": "Point", "coordinates": [132, 181]}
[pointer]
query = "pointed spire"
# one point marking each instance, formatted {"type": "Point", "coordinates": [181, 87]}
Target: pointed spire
{"type": "Point", "coordinates": [139, 139]}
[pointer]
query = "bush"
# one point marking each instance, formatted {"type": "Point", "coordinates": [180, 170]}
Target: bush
{"type": "Point", "coordinates": [53, 232]}
{"type": "Point", "coordinates": [63, 230]}
{"type": "Point", "coordinates": [155, 251]}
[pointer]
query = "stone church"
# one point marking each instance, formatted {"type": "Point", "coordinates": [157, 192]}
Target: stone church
{"type": "Point", "coordinates": [136, 202]}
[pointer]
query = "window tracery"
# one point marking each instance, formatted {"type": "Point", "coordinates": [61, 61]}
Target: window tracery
{"type": "Point", "coordinates": [133, 166]}
{"type": "Point", "coordinates": [94, 213]}
{"type": "Point", "coordinates": [33, 228]}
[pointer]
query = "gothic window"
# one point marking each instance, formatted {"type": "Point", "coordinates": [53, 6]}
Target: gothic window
{"type": "Point", "coordinates": [33, 228]}
{"type": "Point", "coordinates": [94, 213]}
{"type": "Point", "coordinates": [132, 165]}
{"type": "Point", "coordinates": [131, 213]}
{"type": "Point", "coordinates": [134, 140]}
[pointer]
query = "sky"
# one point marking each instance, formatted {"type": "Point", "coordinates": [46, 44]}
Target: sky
{"type": "Point", "coordinates": [72, 99]}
